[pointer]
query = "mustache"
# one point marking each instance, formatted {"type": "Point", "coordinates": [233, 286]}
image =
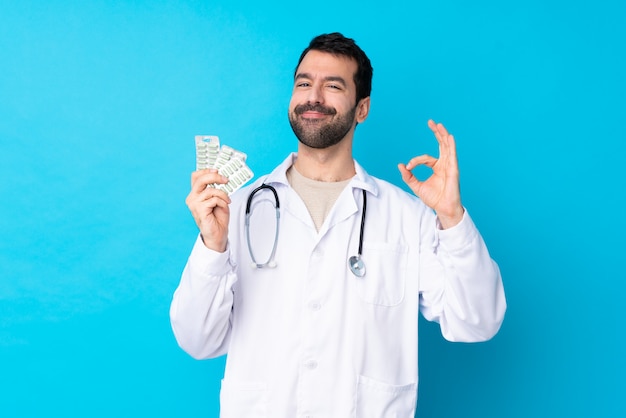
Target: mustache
{"type": "Point", "coordinates": [300, 109]}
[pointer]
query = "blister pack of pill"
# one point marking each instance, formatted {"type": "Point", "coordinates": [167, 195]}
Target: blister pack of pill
{"type": "Point", "coordinates": [226, 160]}
{"type": "Point", "coordinates": [207, 150]}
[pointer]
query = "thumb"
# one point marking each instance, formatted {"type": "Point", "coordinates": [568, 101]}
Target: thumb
{"type": "Point", "coordinates": [407, 175]}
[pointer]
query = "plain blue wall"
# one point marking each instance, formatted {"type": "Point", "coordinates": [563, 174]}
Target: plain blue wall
{"type": "Point", "coordinates": [99, 103]}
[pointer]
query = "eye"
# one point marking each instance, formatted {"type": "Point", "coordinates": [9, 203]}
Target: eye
{"type": "Point", "coordinates": [303, 84]}
{"type": "Point", "coordinates": [334, 86]}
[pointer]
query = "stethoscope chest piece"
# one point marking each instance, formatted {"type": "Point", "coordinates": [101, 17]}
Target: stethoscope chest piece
{"type": "Point", "coordinates": [357, 266]}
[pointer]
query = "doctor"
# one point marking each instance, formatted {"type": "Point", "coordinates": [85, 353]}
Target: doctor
{"type": "Point", "coordinates": [309, 333]}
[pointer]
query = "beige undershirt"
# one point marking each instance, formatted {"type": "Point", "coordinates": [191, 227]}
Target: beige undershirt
{"type": "Point", "coordinates": [318, 196]}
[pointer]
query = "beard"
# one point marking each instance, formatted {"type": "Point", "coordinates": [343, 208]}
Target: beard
{"type": "Point", "coordinates": [319, 134]}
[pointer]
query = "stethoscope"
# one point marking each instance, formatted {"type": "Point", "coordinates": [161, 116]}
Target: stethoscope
{"type": "Point", "coordinates": [355, 262]}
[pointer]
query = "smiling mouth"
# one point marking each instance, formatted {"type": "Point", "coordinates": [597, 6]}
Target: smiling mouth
{"type": "Point", "coordinates": [313, 115]}
{"type": "Point", "coordinates": [309, 111]}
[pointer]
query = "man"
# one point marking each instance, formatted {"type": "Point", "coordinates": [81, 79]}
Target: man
{"type": "Point", "coordinates": [305, 336]}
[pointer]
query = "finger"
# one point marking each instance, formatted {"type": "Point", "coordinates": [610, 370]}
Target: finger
{"type": "Point", "coordinates": [426, 160]}
{"type": "Point", "coordinates": [198, 173]}
{"type": "Point", "coordinates": [405, 172]}
{"type": "Point", "coordinates": [209, 211]}
{"type": "Point", "coordinates": [439, 136]}
{"type": "Point", "coordinates": [452, 146]}
{"type": "Point", "coordinates": [213, 202]}
{"type": "Point", "coordinates": [212, 192]}
{"type": "Point", "coordinates": [432, 125]}
{"type": "Point", "coordinates": [198, 198]}
{"type": "Point", "coordinates": [447, 144]}
{"type": "Point", "coordinates": [204, 178]}
{"type": "Point", "coordinates": [447, 150]}
{"type": "Point", "coordinates": [442, 129]}
{"type": "Point", "coordinates": [407, 175]}
{"type": "Point", "coordinates": [437, 128]}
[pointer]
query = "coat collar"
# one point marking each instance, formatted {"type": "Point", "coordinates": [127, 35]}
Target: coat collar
{"type": "Point", "coordinates": [361, 180]}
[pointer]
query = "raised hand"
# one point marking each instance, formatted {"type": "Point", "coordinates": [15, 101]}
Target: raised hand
{"type": "Point", "coordinates": [209, 208]}
{"type": "Point", "coordinates": [441, 191]}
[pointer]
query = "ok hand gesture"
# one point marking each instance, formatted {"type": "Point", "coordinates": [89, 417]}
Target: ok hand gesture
{"type": "Point", "coordinates": [441, 191]}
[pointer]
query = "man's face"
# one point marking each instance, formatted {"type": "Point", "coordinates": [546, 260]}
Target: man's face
{"type": "Point", "coordinates": [323, 107]}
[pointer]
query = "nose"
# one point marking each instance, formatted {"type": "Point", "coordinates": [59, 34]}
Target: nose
{"type": "Point", "coordinates": [314, 94]}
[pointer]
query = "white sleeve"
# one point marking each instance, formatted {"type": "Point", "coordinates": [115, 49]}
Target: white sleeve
{"type": "Point", "coordinates": [202, 303]}
{"type": "Point", "coordinates": [460, 285]}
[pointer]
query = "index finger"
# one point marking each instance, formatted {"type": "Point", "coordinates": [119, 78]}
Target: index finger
{"type": "Point", "coordinates": [200, 179]}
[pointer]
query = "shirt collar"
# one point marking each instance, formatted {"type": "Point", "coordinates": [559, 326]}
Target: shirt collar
{"type": "Point", "coordinates": [361, 180]}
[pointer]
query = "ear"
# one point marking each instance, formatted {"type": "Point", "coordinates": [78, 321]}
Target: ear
{"type": "Point", "coordinates": [362, 109]}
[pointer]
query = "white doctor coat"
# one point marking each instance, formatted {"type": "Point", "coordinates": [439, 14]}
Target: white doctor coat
{"type": "Point", "coordinates": [308, 338]}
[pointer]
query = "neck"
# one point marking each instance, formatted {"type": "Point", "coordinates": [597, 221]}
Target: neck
{"type": "Point", "coordinates": [329, 164]}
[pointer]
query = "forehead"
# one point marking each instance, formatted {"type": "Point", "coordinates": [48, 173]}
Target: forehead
{"type": "Point", "coordinates": [324, 64]}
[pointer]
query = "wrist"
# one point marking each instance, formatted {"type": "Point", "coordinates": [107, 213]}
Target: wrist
{"type": "Point", "coordinates": [451, 218]}
{"type": "Point", "coordinates": [219, 247]}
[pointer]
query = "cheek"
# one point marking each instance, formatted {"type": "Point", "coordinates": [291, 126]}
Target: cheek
{"type": "Point", "coordinates": [342, 108]}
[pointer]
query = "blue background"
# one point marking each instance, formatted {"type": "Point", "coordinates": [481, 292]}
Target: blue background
{"type": "Point", "coordinates": [99, 104]}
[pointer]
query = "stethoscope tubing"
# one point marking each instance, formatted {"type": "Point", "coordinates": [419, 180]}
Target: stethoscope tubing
{"type": "Point", "coordinates": [362, 224]}
{"type": "Point", "coordinates": [270, 261]}
{"type": "Point", "coordinates": [355, 262]}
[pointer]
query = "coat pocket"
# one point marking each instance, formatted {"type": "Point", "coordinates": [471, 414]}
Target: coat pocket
{"type": "Point", "coordinates": [376, 399]}
{"type": "Point", "coordinates": [243, 399]}
{"type": "Point", "coordinates": [385, 274]}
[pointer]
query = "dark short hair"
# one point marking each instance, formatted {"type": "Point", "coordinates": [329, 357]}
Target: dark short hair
{"type": "Point", "coordinates": [337, 44]}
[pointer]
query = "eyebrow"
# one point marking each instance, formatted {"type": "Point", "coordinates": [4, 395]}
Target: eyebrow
{"type": "Point", "coordinates": [329, 78]}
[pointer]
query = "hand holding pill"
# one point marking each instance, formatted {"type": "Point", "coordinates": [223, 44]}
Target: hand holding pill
{"type": "Point", "coordinates": [229, 162]}
{"type": "Point", "coordinates": [220, 171]}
